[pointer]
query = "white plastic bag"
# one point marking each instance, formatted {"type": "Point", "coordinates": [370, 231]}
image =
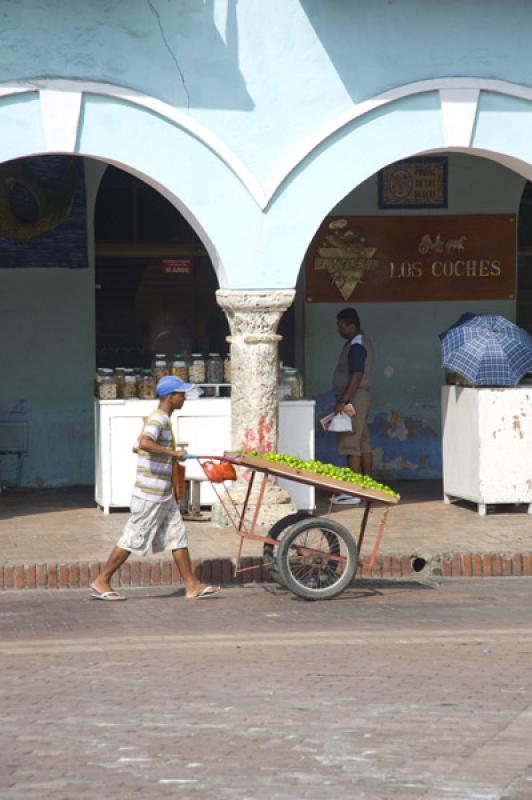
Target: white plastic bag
{"type": "Point", "coordinates": [339, 423]}
{"type": "Point", "coordinates": [348, 412]}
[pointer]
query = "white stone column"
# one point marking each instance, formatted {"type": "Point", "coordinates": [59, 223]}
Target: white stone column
{"type": "Point", "coordinates": [253, 320]}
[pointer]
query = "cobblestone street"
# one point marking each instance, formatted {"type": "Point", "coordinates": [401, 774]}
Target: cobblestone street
{"type": "Point", "coordinates": [397, 689]}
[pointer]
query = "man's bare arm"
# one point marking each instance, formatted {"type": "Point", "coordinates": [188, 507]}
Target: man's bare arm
{"type": "Point", "coordinates": [150, 446]}
{"type": "Point", "coordinates": [350, 389]}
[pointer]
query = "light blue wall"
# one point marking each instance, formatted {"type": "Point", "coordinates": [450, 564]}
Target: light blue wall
{"type": "Point", "coordinates": [47, 363]}
{"type": "Point", "coordinates": [406, 422]}
{"type": "Point", "coordinates": [21, 126]}
{"type": "Point", "coordinates": [262, 74]}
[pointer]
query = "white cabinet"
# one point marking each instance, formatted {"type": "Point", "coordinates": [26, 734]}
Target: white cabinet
{"type": "Point", "coordinates": [296, 437]}
{"type": "Point", "coordinates": [205, 425]}
{"type": "Point", "coordinates": [487, 445]}
{"type": "Point", "coordinates": [202, 424]}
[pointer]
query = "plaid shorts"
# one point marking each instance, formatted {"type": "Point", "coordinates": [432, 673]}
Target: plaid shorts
{"type": "Point", "coordinates": [158, 525]}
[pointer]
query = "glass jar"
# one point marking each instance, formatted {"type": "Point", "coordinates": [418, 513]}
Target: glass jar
{"type": "Point", "coordinates": [196, 373]}
{"type": "Point", "coordinates": [298, 384]}
{"type": "Point", "coordinates": [119, 375]}
{"type": "Point", "coordinates": [227, 369]}
{"type": "Point", "coordinates": [146, 385]}
{"type": "Point", "coordinates": [106, 386]}
{"type": "Point", "coordinates": [128, 388]}
{"type": "Point", "coordinates": [179, 367]}
{"type": "Point", "coordinates": [160, 366]}
{"type": "Point", "coordinates": [215, 368]}
{"type": "Point", "coordinates": [97, 379]}
{"type": "Point", "coordinates": [290, 380]}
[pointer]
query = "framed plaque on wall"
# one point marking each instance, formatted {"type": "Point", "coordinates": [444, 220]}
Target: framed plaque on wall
{"type": "Point", "coordinates": [419, 182]}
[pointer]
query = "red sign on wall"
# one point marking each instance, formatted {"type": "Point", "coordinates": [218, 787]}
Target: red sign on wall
{"type": "Point", "coordinates": [176, 266]}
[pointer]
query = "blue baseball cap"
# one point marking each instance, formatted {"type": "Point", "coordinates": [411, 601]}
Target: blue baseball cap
{"type": "Point", "coordinates": [169, 384]}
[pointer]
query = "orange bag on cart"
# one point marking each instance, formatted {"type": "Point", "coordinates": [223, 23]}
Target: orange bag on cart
{"type": "Point", "coordinates": [228, 471]}
{"type": "Point", "coordinates": [219, 471]}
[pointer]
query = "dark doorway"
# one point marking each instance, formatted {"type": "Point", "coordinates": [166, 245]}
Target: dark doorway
{"type": "Point", "coordinates": [524, 261]}
{"type": "Point", "coordinates": [155, 284]}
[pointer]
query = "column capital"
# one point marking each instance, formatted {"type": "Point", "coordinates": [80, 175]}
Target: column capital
{"type": "Point", "coordinates": [251, 300]}
{"type": "Point", "coordinates": [255, 314]}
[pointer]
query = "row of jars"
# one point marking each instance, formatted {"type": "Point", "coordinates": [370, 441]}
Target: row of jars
{"type": "Point", "coordinates": [128, 383]}
{"type": "Point", "coordinates": [195, 369]}
{"type": "Point", "coordinates": [111, 384]}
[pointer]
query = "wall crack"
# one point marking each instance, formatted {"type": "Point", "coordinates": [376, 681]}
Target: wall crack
{"type": "Point", "coordinates": [173, 56]}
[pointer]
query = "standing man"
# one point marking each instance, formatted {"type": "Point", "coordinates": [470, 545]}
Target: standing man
{"type": "Point", "coordinates": [351, 384]}
{"type": "Point", "coordinates": [155, 519]}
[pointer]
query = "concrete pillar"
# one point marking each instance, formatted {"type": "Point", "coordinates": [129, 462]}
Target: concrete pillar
{"type": "Point", "coordinates": [253, 319]}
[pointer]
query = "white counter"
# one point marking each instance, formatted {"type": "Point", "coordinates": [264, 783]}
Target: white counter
{"type": "Point", "coordinates": [487, 445]}
{"type": "Point", "coordinates": [205, 425]}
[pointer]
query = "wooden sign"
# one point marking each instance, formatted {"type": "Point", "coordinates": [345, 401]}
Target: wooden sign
{"type": "Point", "coordinates": [176, 266]}
{"type": "Point", "coordinates": [414, 183]}
{"type": "Point", "coordinates": [395, 259]}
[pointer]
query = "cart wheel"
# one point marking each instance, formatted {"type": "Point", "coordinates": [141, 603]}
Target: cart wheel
{"type": "Point", "coordinates": [275, 532]}
{"type": "Point", "coordinates": [317, 559]}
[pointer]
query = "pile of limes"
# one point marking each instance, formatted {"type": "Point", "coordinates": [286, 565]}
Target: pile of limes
{"type": "Point", "coordinates": [327, 470]}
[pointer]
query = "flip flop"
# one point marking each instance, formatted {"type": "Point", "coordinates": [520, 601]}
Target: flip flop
{"type": "Point", "coordinates": [209, 591]}
{"type": "Point", "coordinates": [109, 596]}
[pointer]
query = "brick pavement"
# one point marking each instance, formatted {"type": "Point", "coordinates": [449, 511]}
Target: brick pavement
{"type": "Point", "coordinates": [404, 690]}
{"type": "Point", "coordinates": [58, 538]}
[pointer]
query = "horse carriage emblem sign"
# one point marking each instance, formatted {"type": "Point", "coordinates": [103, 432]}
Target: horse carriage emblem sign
{"type": "Point", "coordinates": [440, 245]}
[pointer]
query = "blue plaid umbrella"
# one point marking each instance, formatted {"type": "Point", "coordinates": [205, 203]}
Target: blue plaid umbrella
{"type": "Point", "coordinates": [487, 350]}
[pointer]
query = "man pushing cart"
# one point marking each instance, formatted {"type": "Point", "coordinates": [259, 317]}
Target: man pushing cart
{"type": "Point", "coordinates": [155, 520]}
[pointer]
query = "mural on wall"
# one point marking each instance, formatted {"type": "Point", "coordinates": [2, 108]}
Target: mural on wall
{"type": "Point", "coordinates": [43, 213]}
{"type": "Point", "coordinates": [396, 259]}
{"type": "Point", "coordinates": [403, 445]}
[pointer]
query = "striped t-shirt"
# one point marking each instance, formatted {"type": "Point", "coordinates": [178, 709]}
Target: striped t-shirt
{"type": "Point", "coordinates": [154, 471]}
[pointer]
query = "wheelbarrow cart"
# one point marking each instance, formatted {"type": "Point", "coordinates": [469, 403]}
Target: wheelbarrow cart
{"type": "Point", "coordinates": [314, 556]}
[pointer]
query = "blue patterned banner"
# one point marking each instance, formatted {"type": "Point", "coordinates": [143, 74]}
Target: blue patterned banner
{"type": "Point", "coordinates": [43, 213]}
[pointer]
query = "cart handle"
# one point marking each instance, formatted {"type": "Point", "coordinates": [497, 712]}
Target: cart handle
{"type": "Point", "coordinates": [188, 456]}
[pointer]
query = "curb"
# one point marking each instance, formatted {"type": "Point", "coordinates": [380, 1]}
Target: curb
{"type": "Point", "coordinates": [78, 575]}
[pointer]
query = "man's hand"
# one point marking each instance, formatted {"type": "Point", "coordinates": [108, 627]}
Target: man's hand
{"type": "Point", "coordinates": [352, 385]}
{"type": "Point", "coordinates": [179, 454]}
